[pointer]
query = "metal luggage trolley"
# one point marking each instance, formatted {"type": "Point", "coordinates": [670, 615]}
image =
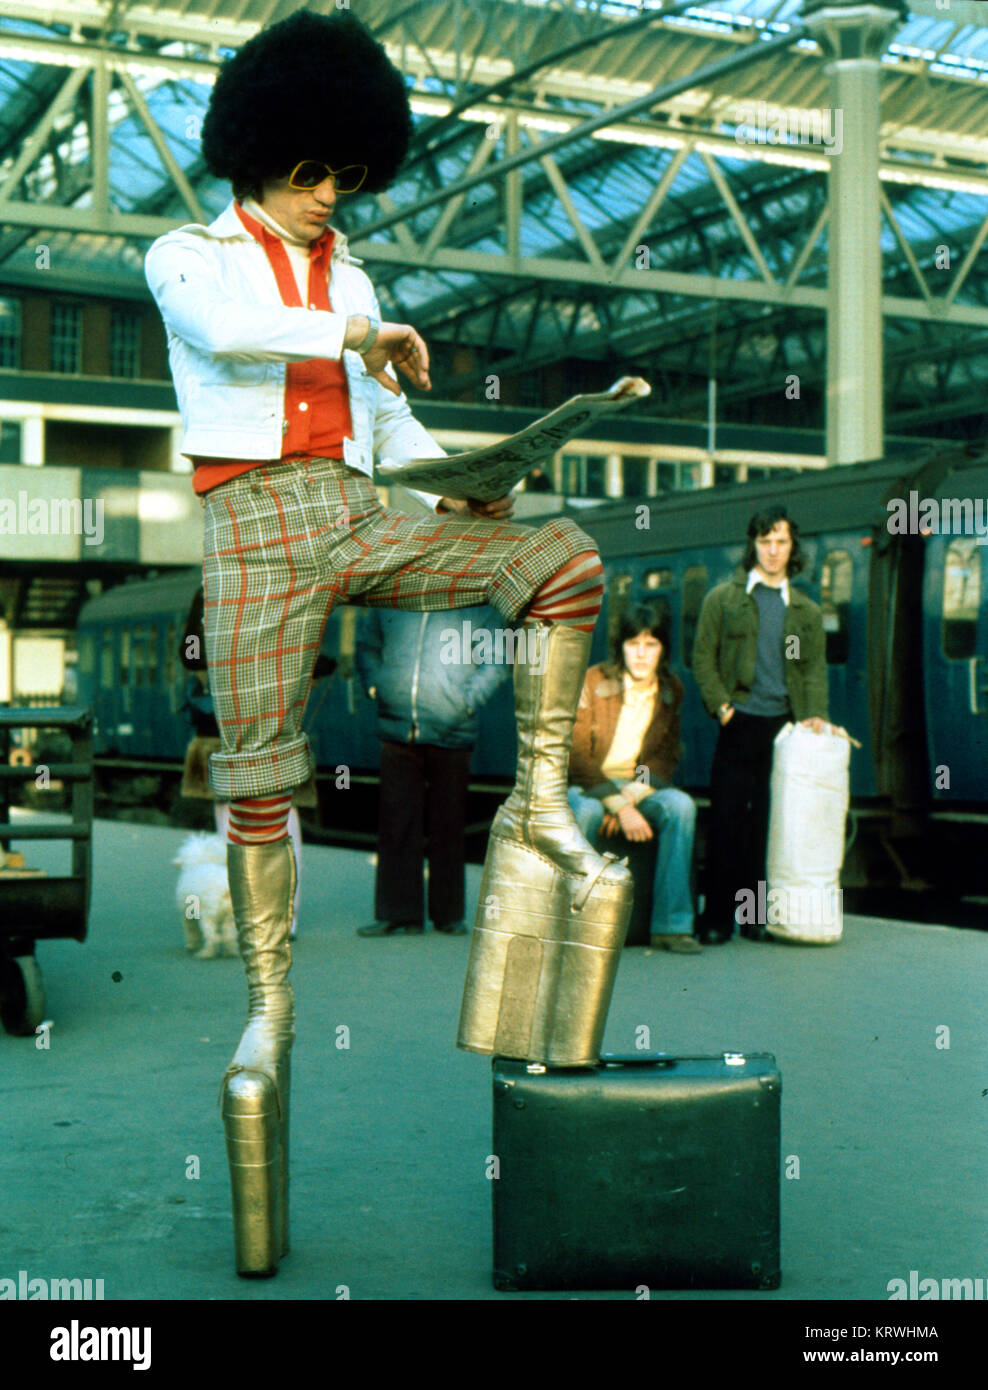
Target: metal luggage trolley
{"type": "Point", "coordinates": [35, 906]}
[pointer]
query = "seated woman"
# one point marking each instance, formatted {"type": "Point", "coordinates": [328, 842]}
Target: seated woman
{"type": "Point", "coordinates": [625, 750]}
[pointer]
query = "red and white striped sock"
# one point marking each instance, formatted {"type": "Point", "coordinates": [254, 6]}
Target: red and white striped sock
{"type": "Point", "coordinates": [573, 595]}
{"type": "Point", "coordinates": [259, 819]}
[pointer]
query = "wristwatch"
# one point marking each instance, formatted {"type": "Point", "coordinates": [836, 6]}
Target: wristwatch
{"type": "Point", "coordinates": [370, 337]}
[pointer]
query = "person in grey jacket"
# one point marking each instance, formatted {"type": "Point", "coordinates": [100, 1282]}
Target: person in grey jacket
{"type": "Point", "coordinates": [428, 690]}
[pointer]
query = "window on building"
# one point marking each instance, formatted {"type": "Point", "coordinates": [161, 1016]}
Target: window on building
{"type": "Point", "coordinates": [657, 579]}
{"type": "Point", "coordinates": [125, 343]}
{"type": "Point", "coordinates": [634, 480]}
{"type": "Point", "coordinates": [595, 476]}
{"type": "Point", "coordinates": [66, 337]}
{"type": "Point", "coordinates": [836, 583]}
{"type": "Point", "coordinates": [10, 332]}
{"type": "Point", "coordinates": [961, 598]}
{"type": "Point", "coordinates": [694, 588]}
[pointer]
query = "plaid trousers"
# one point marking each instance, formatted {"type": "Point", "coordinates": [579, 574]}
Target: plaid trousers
{"type": "Point", "coordinates": [282, 545]}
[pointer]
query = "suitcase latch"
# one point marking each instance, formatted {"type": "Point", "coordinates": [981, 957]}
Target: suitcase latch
{"type": "Point", "coordinates": [535, 1068]}
{"type": "Point", "coordinates": [734, 1059]}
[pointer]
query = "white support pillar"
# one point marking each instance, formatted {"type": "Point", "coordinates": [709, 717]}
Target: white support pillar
{"type": "Point", "coordinates": [33, 439]}
{"type": "Point", "coordinates": [614, 476]}
{"type": "Point", "coordinates": [854, 36]}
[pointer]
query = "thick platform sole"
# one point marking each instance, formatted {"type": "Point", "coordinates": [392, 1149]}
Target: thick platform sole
{"type": "Point", "coordinates": [543, 959]}
{"type": "Point", "coordinates": [257, 1151]}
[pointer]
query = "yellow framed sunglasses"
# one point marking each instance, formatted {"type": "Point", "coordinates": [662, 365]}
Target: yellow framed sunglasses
{"type": "Point", "coordinates": [309, 173]}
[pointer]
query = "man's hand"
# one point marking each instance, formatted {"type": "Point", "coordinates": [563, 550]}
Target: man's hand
{"type": "Point", "coordinates": [498, 510]}
{"type": "Point", "coordinates": [399, 343]}
{"type": "Point", "coordinates": [725, 714]}
{"type": "Point", "coordinates": [818, 725]}
{"type": "Point", "coordinates": [634, 824]}
{"type": "Point", "coordinates": [610, 825]}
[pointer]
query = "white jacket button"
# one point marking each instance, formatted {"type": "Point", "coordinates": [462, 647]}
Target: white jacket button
{"type": "Point", "coordinates": [303, 405]}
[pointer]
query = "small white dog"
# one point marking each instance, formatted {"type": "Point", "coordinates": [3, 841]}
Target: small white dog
{"type": "Point", "coordinates": [203, 896]}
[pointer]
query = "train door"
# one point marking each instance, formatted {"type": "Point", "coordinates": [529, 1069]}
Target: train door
{"type": "Point", "coordinates": [956, 666]}
{"type": "Point", "coordinates": [108, 703]}
{"type": "Point", "coordinates": [144, 679]}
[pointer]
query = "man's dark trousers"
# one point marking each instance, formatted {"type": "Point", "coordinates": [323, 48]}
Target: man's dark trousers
{"type": "Point", "coordinates": [740, 784]}
{"type": "Point", "coordinates": [422, 812]}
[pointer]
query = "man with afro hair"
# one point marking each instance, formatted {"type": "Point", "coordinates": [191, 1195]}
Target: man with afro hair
{"type": "Point", "coordinates": [285, 378]}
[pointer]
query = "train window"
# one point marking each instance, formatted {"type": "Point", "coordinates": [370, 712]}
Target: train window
{"type": "Point", "coordinates": [152, 656]}
{"type": "Point", "coordinates": [140, 656]}
{"type": "Point", "coordinates": [87, 659]}
{"type": "Point", "coordinates": [106, 661]}
{"type": "Point", "coordinates": [961, 598]}
{"type": "Point", "coordinates": [836, 583]}
{"type": "Point", "coordinates": [657, 579]}
{"type": "Point", "coordinates": [618, 594]}
{"type": "Point", "coordinates": [694, 588]}
{"type": "Point", "coordinates": [124, 678]}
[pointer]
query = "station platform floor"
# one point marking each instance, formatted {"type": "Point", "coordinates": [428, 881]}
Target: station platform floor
{"type": "Point", "coordinates": [112, 1159]}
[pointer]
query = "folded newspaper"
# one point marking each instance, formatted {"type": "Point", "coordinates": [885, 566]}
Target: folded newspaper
{"type": "Point", "coordinates": [484, 474]}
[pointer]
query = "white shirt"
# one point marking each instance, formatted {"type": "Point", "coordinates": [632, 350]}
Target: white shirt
{"type": "Point", "coordinates": [755, 578]}
{"type": "Point", "coordinates": [230, 338]}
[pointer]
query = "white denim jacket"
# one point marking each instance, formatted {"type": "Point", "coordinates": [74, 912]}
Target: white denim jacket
{"type": "Point", "coordinates": [230, 336]}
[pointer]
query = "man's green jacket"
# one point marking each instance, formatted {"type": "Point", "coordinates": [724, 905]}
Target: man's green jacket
{"type": "Point", "coordinates": [727, 638]}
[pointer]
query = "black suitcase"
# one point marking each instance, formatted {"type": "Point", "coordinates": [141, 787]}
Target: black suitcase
{"type": "Point", "coordinates": [643, 1170]}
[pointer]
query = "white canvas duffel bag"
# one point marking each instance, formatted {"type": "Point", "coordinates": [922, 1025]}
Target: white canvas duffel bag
{"type": "Point", "coordinates": [806, 834]}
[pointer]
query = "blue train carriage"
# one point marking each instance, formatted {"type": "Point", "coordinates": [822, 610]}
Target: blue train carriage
{"type": "Point", "coordinates": [905, 622]}
{"type": "Point", "coordinates": [954, 636]}
{"type": "Point", "coordinates": [129, 670]}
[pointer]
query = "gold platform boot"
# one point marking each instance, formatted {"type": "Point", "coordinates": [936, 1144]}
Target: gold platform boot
{"type": "Point", "coordinates": [255, 1094]}
{"type": "Point", "coordinates": [553, 913]}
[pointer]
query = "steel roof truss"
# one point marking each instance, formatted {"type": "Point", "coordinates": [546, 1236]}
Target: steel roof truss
{"type": "Point", "coordinates": [968, 262]}
{"type": "Point", "coordinates": [142, 111]}
{"type": "Point", "coordinates": [723, 188]}
{"type": "Point", "coordinates": [904, 246]}
{"type": "Point", "coordinates": [33, 146]}
{"type": "Point", "coordinates": [579, 226]}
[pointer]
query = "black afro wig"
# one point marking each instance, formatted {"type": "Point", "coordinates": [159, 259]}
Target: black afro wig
{"type": "Point", "coordinates": [311, 87]}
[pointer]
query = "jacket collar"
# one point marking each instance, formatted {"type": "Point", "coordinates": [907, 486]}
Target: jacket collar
{"type": "Point", "coordinates": [228, 227]}
{"type": "Point", "coordinates": [754, 578]}
{"type": "Point", "coordinates": [796, 596]}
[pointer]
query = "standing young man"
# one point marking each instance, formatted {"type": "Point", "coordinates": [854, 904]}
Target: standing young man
{"type": "Point", "coordinates": [285, 379]}
{"type": "Point", "coordinates": [760, 660]}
